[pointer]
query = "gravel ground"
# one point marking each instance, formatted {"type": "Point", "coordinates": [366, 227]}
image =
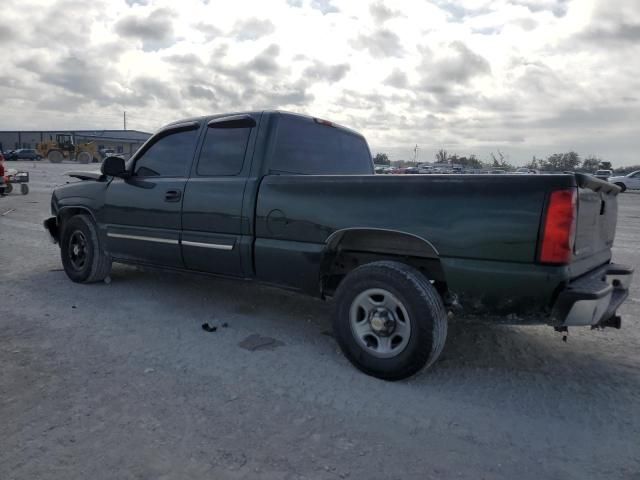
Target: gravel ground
{"type": "Point", "coordinates": [120, 381]}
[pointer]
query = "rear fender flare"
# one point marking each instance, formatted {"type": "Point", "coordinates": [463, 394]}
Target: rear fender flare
{"type": "Point", "coordinates": [375, 240]}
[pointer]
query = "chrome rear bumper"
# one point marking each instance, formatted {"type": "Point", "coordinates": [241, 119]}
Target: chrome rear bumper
{"type": "Point", "coordinates": [593, 298]}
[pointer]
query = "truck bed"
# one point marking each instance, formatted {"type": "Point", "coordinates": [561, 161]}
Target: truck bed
{"type": "Point", "coordinates": [484, 229]}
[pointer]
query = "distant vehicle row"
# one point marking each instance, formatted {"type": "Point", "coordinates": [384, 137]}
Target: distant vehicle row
{"type": "Point", "coordinates": [630, 181]}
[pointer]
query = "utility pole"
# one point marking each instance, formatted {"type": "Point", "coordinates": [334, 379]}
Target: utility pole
{"type": "Point", "coordinates": [415, 154]}
{"type": "Point", "coordinates": [124, 119]}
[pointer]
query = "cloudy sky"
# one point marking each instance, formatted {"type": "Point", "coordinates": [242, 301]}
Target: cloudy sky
{"type": "Point", "coordinates": [526, 77]}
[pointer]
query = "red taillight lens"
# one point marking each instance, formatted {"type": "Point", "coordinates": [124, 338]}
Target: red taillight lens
{"type": "Point", "coordinates": [559, 227]}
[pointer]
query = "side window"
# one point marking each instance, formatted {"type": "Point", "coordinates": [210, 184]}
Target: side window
{"type": "Point", "coordinates": [223, 151]}
{"type": "Point", "coordinates": [169, 156]}
{"type": "Point", "coordinates": [309, 147]}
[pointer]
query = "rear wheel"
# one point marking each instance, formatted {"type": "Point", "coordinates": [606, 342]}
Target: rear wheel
{"type": "Point", "coordinates": [622, 186]}
{"type": "Point", "coordinates": [83, 258]}
{"type": "Point", "coordinates": [24, 188]}
{"type": "Point", "coordinates": [390, 321]}
{"type": "Point", "coordinates": [55, 156]}
{"type": "Point", "coordinates": [84, 157]}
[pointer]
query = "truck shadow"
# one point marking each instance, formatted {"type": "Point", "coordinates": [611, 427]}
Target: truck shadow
{"type": "Point", "coordinates": [482, 354]}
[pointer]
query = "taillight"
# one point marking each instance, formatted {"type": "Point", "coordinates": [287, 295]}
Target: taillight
{"type": "Point", "coordinates": [559, 227]}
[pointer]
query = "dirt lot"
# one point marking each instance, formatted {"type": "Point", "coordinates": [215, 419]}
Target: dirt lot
{"type": "Point", "coordinates": [120, 381]}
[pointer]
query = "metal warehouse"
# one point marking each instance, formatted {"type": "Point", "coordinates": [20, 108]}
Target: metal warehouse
{"type": "Point", "coordinates": [122, 141]}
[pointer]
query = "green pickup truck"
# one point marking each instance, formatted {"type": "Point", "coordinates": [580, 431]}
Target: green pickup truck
{"type": "Point", "coordinates": [293, 201]}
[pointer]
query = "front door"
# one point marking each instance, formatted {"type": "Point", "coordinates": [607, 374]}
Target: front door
{"type": "Point", "coordinates": [142, 214]}
{"type": "Point", "coordinates": [214, 230]}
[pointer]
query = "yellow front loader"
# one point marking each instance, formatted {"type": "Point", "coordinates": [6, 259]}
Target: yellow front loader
{"type": "Point", "coordinates": [63, 147]}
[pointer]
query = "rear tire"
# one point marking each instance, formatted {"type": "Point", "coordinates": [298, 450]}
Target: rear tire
{"type": "Point", "coordinates": [622, 186]}
{"type": "Point", "coordinates": [55, 156]}
{"type": "Point", "coordinates": [390, 321]}
{"type": "Point", "coordinates": [24, 188]}
{"type": "Point", "coordinates": [83, 258]}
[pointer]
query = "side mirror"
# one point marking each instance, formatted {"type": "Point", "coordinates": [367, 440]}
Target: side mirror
{"type": "Point", "coordinates": [114, 167]}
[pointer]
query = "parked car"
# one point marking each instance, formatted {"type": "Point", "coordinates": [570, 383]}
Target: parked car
{"type": "Point", "coordinates": [24, 154]}
{"type": "Point", "coordinates": [411, 170]}
{"type": "Point", "coordinates": [603, 174]}
{"type": "Point", "coordinates": [383, 169]}
{"type": "Point", "coordinates": [292, 200]}
{"type": "Point", "coordinates": [497, 171]}
{"type": "Point", "coordinates": [630, 181]}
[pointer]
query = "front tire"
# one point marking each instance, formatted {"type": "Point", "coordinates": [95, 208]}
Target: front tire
{"type": "Point", "coordinates": [83, 258]}
{"type": "Point", "coordinates": [390, 321]}
{"type": "Point", "coordinates": [622, 186]}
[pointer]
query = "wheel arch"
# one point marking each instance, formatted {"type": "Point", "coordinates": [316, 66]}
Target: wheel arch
{"type": "Point", "coordinates": [349, 248]}
{"type": "Point", "coordinates": [66, 212]}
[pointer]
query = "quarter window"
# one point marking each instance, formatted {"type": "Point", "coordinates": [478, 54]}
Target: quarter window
{"type": "Point", "coordinates": [169, 156]}
{"type": "Point", "coordinates": [306, 147]}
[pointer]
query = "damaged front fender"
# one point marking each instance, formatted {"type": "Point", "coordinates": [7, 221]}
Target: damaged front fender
{"type": "Point", "coordinates": [51, 225]}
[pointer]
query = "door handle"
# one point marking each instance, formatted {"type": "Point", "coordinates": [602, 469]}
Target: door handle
{"type": "Point", "coordinates": [172, 196]}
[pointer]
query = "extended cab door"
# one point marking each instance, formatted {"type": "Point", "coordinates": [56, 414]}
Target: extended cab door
{"type": "Point", "coordinates": [142, 214]}
{"type": "Point", "coordinates": [215, 230]}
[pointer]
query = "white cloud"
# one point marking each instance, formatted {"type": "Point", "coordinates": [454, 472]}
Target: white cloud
{"type": "Point", "coordinates": [525, 76]}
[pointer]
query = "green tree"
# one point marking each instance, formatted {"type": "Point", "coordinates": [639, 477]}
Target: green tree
{"type": "Point", "coordinates": [563, 161]}
{"type": "Point", "coordinates": [591, 163]}
{"type": "Point", "coordinates": [381, 159]}
{"type": "Point", "coordinates": [442, 156]}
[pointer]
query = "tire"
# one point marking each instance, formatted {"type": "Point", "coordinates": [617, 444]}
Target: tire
{"type": "Point", "coordinates": [622, 186]}
{"type": "Point", "coordinates": [404, 329]}
{"type": "Point", "coordinates": [55, 156]}
{"type": "Point", "coordinates": [24, 188]}
{"type": "Point", "coordinates": [83, 258]}
{"type": "Point", "coordinates": [84, 157]}
{"type": "Point", "coordinates": [8, 188]}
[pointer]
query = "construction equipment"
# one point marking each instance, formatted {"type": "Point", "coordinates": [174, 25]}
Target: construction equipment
{"type": "Point", "coordinates": [64, 147]}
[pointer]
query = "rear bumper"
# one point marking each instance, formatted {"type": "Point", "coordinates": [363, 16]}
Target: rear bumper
{"type": "Point", "coordinates": [593, 298]}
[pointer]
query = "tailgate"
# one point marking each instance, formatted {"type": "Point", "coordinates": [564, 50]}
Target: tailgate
{"type": "Point", "coordinates": [596, 223]}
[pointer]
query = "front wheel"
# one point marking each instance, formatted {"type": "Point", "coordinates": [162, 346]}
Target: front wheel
{"type": "Point", "coordinates": [390, 321]}
{"type": "Point", "coordinates": [622, 186]}
{"type": "Point", "coordinates": [55, 156]}
{"type": "Point", "coordinates": [83, 259]}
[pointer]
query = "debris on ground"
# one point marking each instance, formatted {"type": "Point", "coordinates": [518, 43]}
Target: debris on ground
{"type": "Point", "coordinates": [209, 328]}
{"type": "Point", "coordinates": [258, 342]}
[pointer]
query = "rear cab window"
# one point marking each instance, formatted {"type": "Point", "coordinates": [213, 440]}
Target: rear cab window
{"type": "Point", "coordinates": [308, 146]}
